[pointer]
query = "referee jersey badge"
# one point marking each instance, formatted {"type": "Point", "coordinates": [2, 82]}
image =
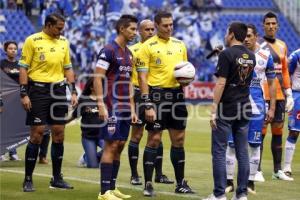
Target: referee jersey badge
{"type": "Point", "coordinates": [42, 56]}
{"type": "Point", "coordinates": [158, 61]}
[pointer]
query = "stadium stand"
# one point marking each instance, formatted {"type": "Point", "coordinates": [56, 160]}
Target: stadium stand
{"type": "Point", "coordinates": [201, 24]}
{"type": "Point", "coordinates": [246, 4]}
{"type": "Point", "coordinates": [15, 26]}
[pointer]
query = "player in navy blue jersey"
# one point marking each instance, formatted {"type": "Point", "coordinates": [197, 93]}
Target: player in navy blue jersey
{"type": "Point", "coordinates": [112, 84]}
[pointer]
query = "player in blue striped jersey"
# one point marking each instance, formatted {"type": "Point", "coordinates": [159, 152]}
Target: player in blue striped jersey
{"type": "Point", "coordinates": [294, 115]}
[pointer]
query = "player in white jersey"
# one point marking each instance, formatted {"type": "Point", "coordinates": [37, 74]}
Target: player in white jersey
{"type": "Point", "coordinates": [264, 69]}
{"type": "Point", "coordinates": [294, 115]}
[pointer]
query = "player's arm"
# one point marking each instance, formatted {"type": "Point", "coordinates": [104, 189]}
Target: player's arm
{"type": "Point", "coordinates": [70, 76]}
{"type": "Point", "coordinates": [142, 67]}
{"type": "Point", "coordinates": [287, 84]}
{"type": "Point", "coordinates": [293, 60]}
{"type": "Point", "coordinates": [102, 65]}
{"type": "Point", "coordinates": [270, 74]}
{"type": "Point", "coordinates": [24, 64]}
{"type": "Point", "coordinates": [222, 73]}
{"type": "Point", "coordinates": [134, 117]}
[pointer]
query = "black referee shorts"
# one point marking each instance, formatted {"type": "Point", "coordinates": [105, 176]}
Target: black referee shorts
{"type": "Point", "coordinates": [170, 108]}
{"type": "Point", "coordinates": [49, 104]}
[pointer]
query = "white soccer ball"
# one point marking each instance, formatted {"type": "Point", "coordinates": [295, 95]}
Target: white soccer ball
{"type": "Point", "coordinates": [184, 73]}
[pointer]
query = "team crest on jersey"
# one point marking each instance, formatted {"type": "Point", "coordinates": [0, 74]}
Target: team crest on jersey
{"type": "Point", "coordinates": [42, 57]}
{"type": "Point", "coordinates": [158, 61]}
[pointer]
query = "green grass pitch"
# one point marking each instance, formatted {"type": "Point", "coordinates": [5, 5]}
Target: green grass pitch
{"type": "Point", "coordinates": [198, 170]}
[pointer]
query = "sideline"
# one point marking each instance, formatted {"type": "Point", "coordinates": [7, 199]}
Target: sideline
{"type": "Point", "coordinates": [97, 183]}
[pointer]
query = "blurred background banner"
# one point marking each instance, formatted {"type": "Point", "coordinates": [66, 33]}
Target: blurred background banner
{"type": "Point", "coordinates": [13, 132]}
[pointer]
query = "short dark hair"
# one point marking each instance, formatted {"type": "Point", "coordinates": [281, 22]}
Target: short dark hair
{"type": "Point", "coordinates": [239, 30]}
{"type": "Point", "coordinates": [7, 43]}
{"type": "Point", "coordinates": [253, 27]}
{"type": "Point", "coordinates": [160, 15]}
{"type": "Point", "coordinates": [270, 15]}
{"type": "Point", "coordinates": [125, 21]}
{"type": "Point", "coordinates": [53, 18]}
{"type": "Point", "coordinates": [87, 90]}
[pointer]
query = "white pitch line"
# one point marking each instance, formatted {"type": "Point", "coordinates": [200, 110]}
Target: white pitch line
{"type": "Point", "coordinates": [97, 183]}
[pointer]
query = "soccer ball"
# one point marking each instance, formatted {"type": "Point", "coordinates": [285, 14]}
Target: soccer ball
{"type": "Point", "coordinates": [184, 73]}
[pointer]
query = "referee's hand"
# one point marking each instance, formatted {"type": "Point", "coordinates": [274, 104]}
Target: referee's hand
{"type": "Point", "coordinates": [150, 115]}
{"type": "Point", "coordinates": [26, 103]}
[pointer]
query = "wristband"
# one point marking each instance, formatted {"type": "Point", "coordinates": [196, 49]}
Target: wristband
{"type": "Point", "coordinates": [23, 90]}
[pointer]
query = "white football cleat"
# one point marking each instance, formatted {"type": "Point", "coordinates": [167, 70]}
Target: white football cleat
{"type": "Point", "coordinates": [213, 197]}
{"type": "Point", "coordinates": [259, 177]}
{"type": "Point", "coordinates": [280, 175]}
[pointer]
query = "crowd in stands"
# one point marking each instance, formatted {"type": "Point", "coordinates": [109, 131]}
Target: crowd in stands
{"type": "Point", "coordinates": [90, 24]}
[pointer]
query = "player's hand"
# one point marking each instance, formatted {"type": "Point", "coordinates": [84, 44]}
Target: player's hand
{"type": "Point", "coordinates": [289, 100]}
{"type": "Point", "coordinates": [150, 115]}
{"type": "Point", "coordinates": [103, 114]}
{"type": "Point", "coordinates": [26, 103]}
{"type": "Point", "coordinates": [270, 115]}
{"type": "Point", "coordinates": [213, 123]}
{"type": "Point", "coordinates": [134, 118]}
{"type": "Point", "coordinates": [289, 104]}
{"type": "Point", "coordinates": [74, 100]}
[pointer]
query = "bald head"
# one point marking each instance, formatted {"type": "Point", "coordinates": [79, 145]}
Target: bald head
{"type": "Point", "coordinates": [146, 29]}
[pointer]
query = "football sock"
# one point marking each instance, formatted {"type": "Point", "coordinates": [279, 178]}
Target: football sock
{"type": "Point", "coordinates": [115, 170]}
{"type": "Point", "coordinates": [178, 162]}
{"type": "Point", "coordinates": [290, 146]}
{"type": "Point", "coordinates": [261, 152]}
{"type": "Point", "coordinates": [148, 163]}
{"type": "Point", "coordinates": [57, 152]}
{"type": "Point", "coordinates": [159, 160]}
{"type": "Point", "coordinates": [31, 154]}
{"type": "Point", "coordinates": [276, 147]}
{"type": "Point", "coordinates": [254, 161]}
{"type": "Point", "coordinates": [133, 155]}
{"type": "Point", "coordinates": [106, 175]}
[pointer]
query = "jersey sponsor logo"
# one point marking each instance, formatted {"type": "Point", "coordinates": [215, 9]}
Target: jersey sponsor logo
{"type": "Point", "coordinates": [37, 38]}
{"type": "Point", "coordinates": [39, 48]}
{"type": "Point", "coordinates": [42, 57]}
{"type": "Point", "coordinates": [125, 68]}
{"type": "Point", "coordinates": [153, 43]}
{"type": "Point", "coordinates": [158, 61]}
{"type": "Point", "coordinates": [52, 49]}
{"type": "Point", "coordinates": [169, 52]}
{"type": "Point", "coordinates": [245, 68]}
